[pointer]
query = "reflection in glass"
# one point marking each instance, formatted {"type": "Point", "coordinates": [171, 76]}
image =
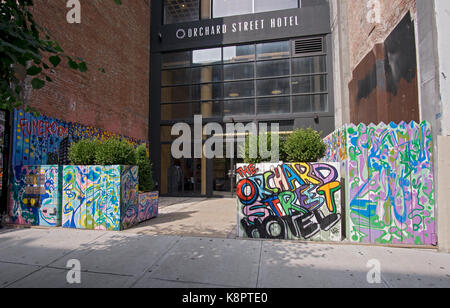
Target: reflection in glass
{"type": "Point", "coordinates": [271, 5]}
{"type": "Point", "coordinates": [239, 89]}
{"type": "Point", "coordinates": [180, 94]}
{"type": "Point", "coordinates": [273, 50]}
{"type": "Point", "coordinates": [176, 59]}
{"type": "Point", "coordinates": [239, 71]}
{"type": "Point", "coordinates": [207, 56]}
{"type": "Point", "coordinates": [272, 68]}
{"type": "Point", "coordinates": [270, 87]}
{"type": "Point", "coordinates": [223, 8]}
{"type": "Point", "coordinates": [239, 107]}
{"type": "Point", "coordinates": [309, 84]}
{"type": "Point", "coordinates": [275, 105]}
{"type": "Point", "coordinates": [206, 74]}
{"type": "Point", "coordinates": [310, 103]}
{"type": "Point", "coordinates": [170, 112]}
{"type": "Point", "coordinates": [239, 53]}
{"type": "Point", "coordinates": [309, 65]}
{"type": "Point", "coordinates": [178, 11]}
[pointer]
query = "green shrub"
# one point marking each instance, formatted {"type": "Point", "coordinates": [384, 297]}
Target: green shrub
{"type": "Point", "coordinates": [83, 152]}
{"type": "Point", "coordinates": [115, 152]}
{"type": "Point", "coordinates": [246, 150]}
{"type": "Point", "coordinates": [146, 183]}
{"type": "Point", "coordinates": [304, 145]}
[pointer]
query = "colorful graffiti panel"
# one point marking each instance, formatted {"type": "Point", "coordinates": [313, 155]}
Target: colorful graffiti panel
{"type": "Point", "coordinates": [297, 201]}
{"type": "Point", "coordinates": [74, 197]}
{"type": "Point", "coordinates": [92, 196]}
{"type": "Point", "coordinates": [34, 197]}
{"type": "Point", "coordinates": [148, 206]}
{"type": "Point", "coordinates": [130, 197]}
{"type": "Point", "coordinates": [41, 140]}
{"type": "Point", "coordinates": [389, 183]}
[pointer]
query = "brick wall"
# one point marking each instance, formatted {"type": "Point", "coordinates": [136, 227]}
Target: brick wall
{"type": "Point", "coordinates": [116, 38]}
{"type": "Point", "coordinates": [364, 35]}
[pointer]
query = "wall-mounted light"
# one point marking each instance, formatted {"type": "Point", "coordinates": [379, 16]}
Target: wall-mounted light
{"type": "Point", "coordinates": [276, 92]}
{"type": "Point", "coordinates": [234, 94]}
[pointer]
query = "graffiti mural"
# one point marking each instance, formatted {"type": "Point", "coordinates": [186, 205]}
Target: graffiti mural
{"type": "Point", "coordinates": [98, 197]}
{"type": "Point", "coordinates": [130, 197]}
{"type": "Point", "coordinates": [35, 196]}
{"type": "Point", "coordinates": [390, 184]}
{"type": "Point", "coordinates": [148, 206]}
{"type": "Point", "coordinates": [40, 140]}
{"type": "Point", "coordinates": [289, 201]}
{"type": "Point", "coordinates": [336, 144]}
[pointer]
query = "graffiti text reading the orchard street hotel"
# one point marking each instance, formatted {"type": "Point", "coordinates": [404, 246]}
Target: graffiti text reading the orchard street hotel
{"type": "Point", "coordinates": [289, 201]}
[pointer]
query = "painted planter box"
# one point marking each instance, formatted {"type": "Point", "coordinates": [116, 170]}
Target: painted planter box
{"type": "Point", "coordinates": [35, 197]}
{"type": "Point", "coordinates": [388, 171]}
{"type": "Point", "coordinates": [147, 209]}
{"type": "Point", "coordinates": [99, 197]}
{"type": "Point", "coordinates": [295, 201]}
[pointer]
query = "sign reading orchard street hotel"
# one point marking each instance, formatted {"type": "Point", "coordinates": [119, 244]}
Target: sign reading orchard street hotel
{"type": "Point", "coordinates": [307, 21]}
{"type": "Point", "coordinates": [241, 26]}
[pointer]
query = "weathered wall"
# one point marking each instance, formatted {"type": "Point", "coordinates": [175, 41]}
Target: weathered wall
{"type": "Point", "coordinates": [384, 87]}
{"type": "Point", "coordinates": [443, 167]}
{"type": "Point", "coordinates": [298, 201]}
{"type": "Point", "coordinates": [365, 33]}
{"type": "Point", "coordinates": [116, 38]}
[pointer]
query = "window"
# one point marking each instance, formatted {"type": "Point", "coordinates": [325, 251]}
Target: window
{"type": "Point", "coordinates": [177, 11]}
{"type": "Point", "coordinates": [224, 8]}
{"type": "Point", "coordinates": [274, 5]}
{"type": "Point", "coordinates": [245, 80]}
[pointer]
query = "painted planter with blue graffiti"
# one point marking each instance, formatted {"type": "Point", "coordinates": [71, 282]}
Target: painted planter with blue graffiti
{"type": "Point", "coordinates": [99, 197]}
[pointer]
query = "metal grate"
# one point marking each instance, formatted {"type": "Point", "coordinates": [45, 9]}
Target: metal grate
{"type": "Point", "coordinates": [308, 46]}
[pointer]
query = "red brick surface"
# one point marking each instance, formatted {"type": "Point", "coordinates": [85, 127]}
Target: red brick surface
{"type": "Point", "coordinates": [116, 38]}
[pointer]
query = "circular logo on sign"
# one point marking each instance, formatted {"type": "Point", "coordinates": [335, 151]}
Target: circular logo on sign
{"type": "Point", "coordinates": [181, 34]}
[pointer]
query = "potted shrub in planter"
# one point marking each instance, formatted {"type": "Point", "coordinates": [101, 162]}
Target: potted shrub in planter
{"type": "Point", "coordinates": [100, 189]}
{"type": "Point", "coordinates": [148, 197]}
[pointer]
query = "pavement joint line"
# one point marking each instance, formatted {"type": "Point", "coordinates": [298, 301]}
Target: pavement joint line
{"type": "Point", "coordinates": [259, 263]}
{"type": "Point", "coordinates": [46, 266]}
{"type": "Point", "coordinates": [161, 257]}
{"type": "Point", "coordinates": [201, 283]}
{"type": "Point", "coordinates": [92, 272]}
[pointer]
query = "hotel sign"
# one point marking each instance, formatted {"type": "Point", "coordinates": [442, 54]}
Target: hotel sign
{"type": "Point", "coordinates": [308, 21]}
{"type": "Point", "coordinates": [252, 25]}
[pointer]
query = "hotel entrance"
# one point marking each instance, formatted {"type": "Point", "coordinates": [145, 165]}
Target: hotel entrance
{"type": "Point", "coordinates": [235, 62]}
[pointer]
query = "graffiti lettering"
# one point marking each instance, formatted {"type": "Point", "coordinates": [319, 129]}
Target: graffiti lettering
{"type": "Point", "coordinates": [289, 201]}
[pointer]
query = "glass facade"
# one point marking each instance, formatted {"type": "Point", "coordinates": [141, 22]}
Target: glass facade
{"type": "Point", "coordinates": [280, 73]}
{"type": "Point", "coordinates": [247, 80]}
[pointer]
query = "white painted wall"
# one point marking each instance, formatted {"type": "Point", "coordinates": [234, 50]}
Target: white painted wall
{"type": "Point", "coordinates": [442, 11]}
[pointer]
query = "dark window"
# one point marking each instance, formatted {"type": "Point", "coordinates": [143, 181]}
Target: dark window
{"type": "Point", "coordinates": [272, 68]}
{"type": "Point", "coordinates": [269, 87]}
{"type": "Point", "coordinates": [178, 11]}
{"type": "Point", "coordinates": [263, 79]}
{"type": "Point", "coordinates": [239, 71]}
{"type": "Point", "coordinates": [274, 105]}
{"type": "Point", "coordinates": [239, 107]}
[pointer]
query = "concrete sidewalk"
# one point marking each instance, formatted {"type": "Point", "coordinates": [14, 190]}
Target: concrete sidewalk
{"type": "Point", "coordinates": [38, 258]}
{"type": "Point", "coordinates": [214, 217]}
